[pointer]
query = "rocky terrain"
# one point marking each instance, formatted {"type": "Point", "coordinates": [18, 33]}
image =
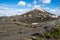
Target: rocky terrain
{"type": "Point", "coordinates": [21, 27]}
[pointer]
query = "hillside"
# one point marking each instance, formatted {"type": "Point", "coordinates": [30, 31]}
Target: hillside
{"type": "Point", "coordinates": [27, 26]}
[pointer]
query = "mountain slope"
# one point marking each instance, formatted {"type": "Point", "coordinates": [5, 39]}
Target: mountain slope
{"type": "Point", "coordinates": [36, 15]}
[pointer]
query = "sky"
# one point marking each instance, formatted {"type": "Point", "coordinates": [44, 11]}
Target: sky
{"type": "Point", "coordinates": [18, 7]}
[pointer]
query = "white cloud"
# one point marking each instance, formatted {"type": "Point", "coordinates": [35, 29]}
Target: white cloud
{"type": "Point", "coordinates": [6, 11]}
{"type": "Point", "coordinates": [46, 1]}
{"type": "Point", "coordinates": [47, 8]}
{"type": "Point", "coordinates": [38, 6]}
{"type": "Point", "coordinates": [55, 11]}
{"type": "Point", "coordinates": [22, 11]}
{"type": "Point", "coordinates": [21, 3]}
{"type": "Point", "coordinates": [29, 5]}
{"type": "Point", "coordinates": [52, 10]}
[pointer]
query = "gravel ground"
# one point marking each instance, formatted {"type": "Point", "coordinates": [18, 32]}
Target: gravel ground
{"type": "Point", "coordinates": [16, 32]}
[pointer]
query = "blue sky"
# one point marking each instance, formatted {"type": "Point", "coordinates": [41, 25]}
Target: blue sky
{"type": "Point", "coordinates": [13, 7]}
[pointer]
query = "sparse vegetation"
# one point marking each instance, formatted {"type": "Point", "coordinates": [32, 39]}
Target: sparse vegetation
{"type": "Point", "coordinates": [53, 34]}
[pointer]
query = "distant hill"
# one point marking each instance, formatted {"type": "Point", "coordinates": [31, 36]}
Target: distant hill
{"type": "Point", "coordinates": [36, 15]}
{"type": "Point", "coordinates": [32, 16]}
